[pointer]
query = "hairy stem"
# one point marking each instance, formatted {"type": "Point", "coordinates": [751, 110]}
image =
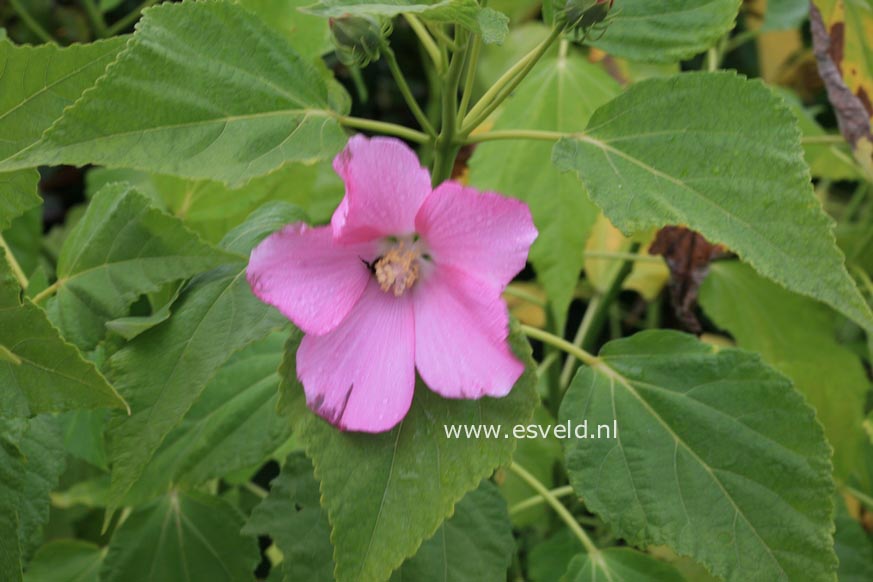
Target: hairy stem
{"type": "Point", "coordinates": [422, 119]}
{"type": "Point", "coordinates": [385, 128]}
{"type": "Point", "coordinates": [446, 147]}
{"type": "Point", "coordinates": [426, 41]}
{"type": "Point", "coordinates": [560, 343]}
{"type": "Point", "coordinates": [13, 264]}
{"type": "Point", "coordinates": [506, 84]}
{"type": "Point", "coordinates": [538, 499]}
{"type": "Point", "coordinates": [559, 508]}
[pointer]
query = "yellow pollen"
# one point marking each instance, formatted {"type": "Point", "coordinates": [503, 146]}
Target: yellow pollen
{"type": "Point", "coordinates": [398, 269]}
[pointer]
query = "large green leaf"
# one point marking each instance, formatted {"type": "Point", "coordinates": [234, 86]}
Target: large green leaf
{"type": "Point", "coordinates": [386, 493]}
{"type": "Point", "coordinates": [492, 25]}
{"type": "Point", "coordinates": [218, 95]}
{"type": "Point", "coordinates": [211, 208]}
{"type": "Point", "coordinates": [619, 564]}
{"type": "Point", "coordinates": [854, 547]}
{"type": "Point", "coordinates": [36, 84]}
{"type": "Point", "coordinates": [716, 455]}
{"type": "Point", "coordinates": [308, 34]}
{"type": "Point", "coordinates": [121, 249]}
{"type": "Point", "coordinates": [66, 561]}
{"type": "Point", "coordinates": [181, 537]}
{"type": "Point", "coordinates": [41, 372]}
{"type": "Point", "coordinates": [31, 460]}
{"type": "Point", "coordinates": [475, 544]}
{"type": "Point", "coordinates": [164, 370]}
{"type": "Point", "coordinates": [666, 31]}
{"type": "Point", "coordinates": [233, 425]}
{"type": "Point", "coordinates": [292, 516]}
{"type": "Point", "coordinates": [797, 336]}
{"type": "Point", "coordinates": [785, 14]}
{"type": "Point", "coordinates": [721, 155]}
{"type": "Point", "coordinates": [560, 95]}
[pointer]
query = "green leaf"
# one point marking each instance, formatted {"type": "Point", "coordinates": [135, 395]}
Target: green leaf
{"type": "Point", "coordinates": [121, 249]}
{"type": "Point", "coordinates": [17, 195]}
{"type": "Point", "coordinates": [232, 426]}
{"type": "Point", "coordinates": [719, 154]}
{"type": "Point", "coordinates": [386, 493]}
{"type": "Point", "coordinates": [292, 516]}
{"type": "Point", "coordinates": [833, 161]}
{"type": "Point", "coordinates": [164, 370]}
{"type": "Point", "coordinates": [854, 548]}
{"type": "Point", "coordinates": [666, 31]}
{"type": "Point", "coordinates": [50, 375]}
{"type": "Point", "coordinates": [66, 560]}
{"type": "Point", "coordinates": [539, 456]}
{"type": "Point", "coordinates": [211, 208]}
{"type": "Point", "coordinates": [227, 110]}
{"type": "Point", "coordinates": [475, 544]}
{"type": "Point", "coordinates": [796, 336]}
{"type": "Point", "coordinates": [785, 14]}
{"type": "Point", "coordinates": [308, 34]}
{"type": "Point", "coordinates": [31, 460]}
{"type": "Point", "coordinates": [548, 560]}
{"type": "Point", "coordinates": [492, 25]}
{"type": "Point", "coordinates": [560, 95]}
{"type": "Point", "coordinates": [181, 537]}
{"type": "Point", "coordinates": [36, 84]}
{"type": "Point", "coordinates": [619, 564]}
{"type": "Point", "coordinates": [10, 548]}
{"type": "Point", "coordinates": [132, 326]}
{"type": "Point", "coordinates": [716, 456]}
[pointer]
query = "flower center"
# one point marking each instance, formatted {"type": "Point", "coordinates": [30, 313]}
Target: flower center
{"type": "Point", "coordinates": [398, 269]}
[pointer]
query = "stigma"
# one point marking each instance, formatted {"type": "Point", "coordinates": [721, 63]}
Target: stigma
{"type": "Point", "coordinates": [399, 268]}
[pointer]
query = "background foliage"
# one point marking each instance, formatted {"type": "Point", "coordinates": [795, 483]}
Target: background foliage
{"type": "Point", "coordinates": [700, 173]}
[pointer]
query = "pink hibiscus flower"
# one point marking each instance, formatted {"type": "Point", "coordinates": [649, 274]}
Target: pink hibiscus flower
{"type": "Point", "coordinates": [404, 277]}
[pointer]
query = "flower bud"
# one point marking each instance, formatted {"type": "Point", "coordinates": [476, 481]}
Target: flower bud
{"type": "Point", "coordinates": [582, 15]}
{"type": "Point", "coordinates": [358, 39]}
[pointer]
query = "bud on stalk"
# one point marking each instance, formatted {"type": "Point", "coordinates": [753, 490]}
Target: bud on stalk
{"type": "Point", "coordinates": [583, 15]}
{"type": "Point", "coordinates": [358, 39]}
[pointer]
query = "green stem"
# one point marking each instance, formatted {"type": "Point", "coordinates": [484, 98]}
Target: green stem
{"type": "Point", "coordinates": [129, 18]}
{"type": "Point", "coordinates": [470, 80]}
{"type": "Point", "coordinates": [47, 292]}
{"type": "Point", "coordinates": [506, 84]}
{"type": "Point", "coordinates": [256, 489]}
{"type": "Point", "coordinates": [13, 264]}
{"type": "Point", "coordinates": [391, 59]}
{"type": "Point", "coordinates": [563, 513]}
{"type": "Point", "coordinates": [446, 146]}
{"type": "Point", "coordinates": [383, 127]}
{"type": "Point", "coordinates": [426, 40]}
{"type": "Point", "coordinates": [515, 291]}
{"type": "Point", "coordinates": [862, 497]}
{"type": "Point", "coordinates": [534, 134]}
{"type": "Point", "coordinates": [547, 363]}
{"type": "Point", "coordinates": [31, 22]}
{"type": "Point", "coordinates": [560, 343]}
{"type": "Point", "coordinates": [594, 307]}
{"type": "Point", "coordinates": [616, 256]}
{"type": "Point", "coordinates": [539, 499]}
{"type": "Point", "coordinates": [823, 139]}
{"type": "Point", "coordinates": [96, 18]}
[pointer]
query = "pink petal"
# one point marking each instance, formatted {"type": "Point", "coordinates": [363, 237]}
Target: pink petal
{"type": "Point", "coordinates": [361, 376]}
{"type": "Point", "coordinates": [486, 235]}
{"type": "Point", "coordinates": [461, 326]}
{"type": "Point", "coordinates": [307, 276]}
{"type": "Point", "coordinates": [385, 186]}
